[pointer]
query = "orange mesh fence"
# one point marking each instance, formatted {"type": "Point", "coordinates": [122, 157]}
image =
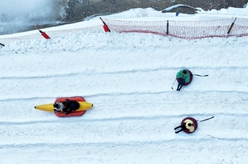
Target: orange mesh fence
{"type": "Point", "coordinates": [184, 29]}
{"type": "Point", "coordinates": [240, 27]}
{"type": "Point", "coordinates": [155, 27]}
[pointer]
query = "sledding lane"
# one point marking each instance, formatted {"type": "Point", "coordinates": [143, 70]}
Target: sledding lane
{"type": "Point", "coordinates": [122, 153]}
{"type": "Point", "coordinates": [124, 137]}
{"type": "Point", "coordinates": [114, 83]}
{"type": "Point", "coordinates": [125, 130]}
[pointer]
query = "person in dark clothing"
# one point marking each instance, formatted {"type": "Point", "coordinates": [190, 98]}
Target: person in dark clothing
{"type": "Point", "coordinates": [71, 105]}
{"type": "Point", "coordinates": [183, 127]}
{"type": "Point", "coordinates": [181, 76]}
{"type": "Point", "coordinates": [68, 106]}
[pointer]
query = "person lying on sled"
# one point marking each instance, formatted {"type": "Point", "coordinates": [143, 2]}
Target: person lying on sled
{"type": "Point", "coordinates": [71, 105]}
{"type": "Point", "coordinates": [185, 126]}
{"type": "Point", "coordinates": [68, 106]}
{"type": "Point", "coordinates": [183, 77]}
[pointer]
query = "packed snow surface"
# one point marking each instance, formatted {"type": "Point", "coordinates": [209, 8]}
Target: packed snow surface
{"type": "Point", "coordinates": [128, 77]}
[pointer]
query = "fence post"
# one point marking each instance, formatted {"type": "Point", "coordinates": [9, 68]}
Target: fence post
{"type": "Point", "coordinates": [229, 30]}
{"type": "Point", "coordinates": [167, 28]}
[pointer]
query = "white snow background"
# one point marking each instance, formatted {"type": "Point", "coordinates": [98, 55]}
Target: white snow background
{"type": "Point", "coordinates": [128, 77]}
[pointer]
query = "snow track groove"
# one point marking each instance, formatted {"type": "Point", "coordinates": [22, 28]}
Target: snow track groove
{"type": "Point", "coordinates": [90, 83]}
{"type": "Point", "coordinates": [88, 72]}
{"type": "Point", "coordinates": [129, 143]}
{"type": "Point", "coordinates": [4, 124]}
{"type": "Point", "coordinates": [145, 93]}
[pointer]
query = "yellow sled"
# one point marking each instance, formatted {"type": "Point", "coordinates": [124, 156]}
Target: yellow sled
{"type": "Point", "coordinates": [83, 106]}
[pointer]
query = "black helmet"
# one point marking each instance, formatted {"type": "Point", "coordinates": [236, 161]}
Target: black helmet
{"type": "Point", "coordinates": [55, 105]}
{"type": "Point", "coordinates": [184, 71]}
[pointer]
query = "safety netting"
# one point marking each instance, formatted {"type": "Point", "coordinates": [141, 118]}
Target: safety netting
{"type": "Point", "coordinates": [181, 29]}
{"type": "Point", "coordinates": [184, 29]}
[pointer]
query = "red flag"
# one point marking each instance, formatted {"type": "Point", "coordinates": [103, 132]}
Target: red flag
{"type": "Point", "coordinates": [44, 35]}
{"type": "Point", "coordinates": [105, 26]}
{"type": "Point", "coordinates": [42, 32]}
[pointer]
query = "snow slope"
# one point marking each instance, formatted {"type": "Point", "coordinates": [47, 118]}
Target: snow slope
{"type": "Point", "coordinates": [128, 77]}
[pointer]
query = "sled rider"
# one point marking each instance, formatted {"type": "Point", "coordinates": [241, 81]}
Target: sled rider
{"type": "Point", "coordinates": [68, 106]}
{"type": "Point", "coordinates": [185, 126]}
{"type": "Point", "coordinates": [183, 77]}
